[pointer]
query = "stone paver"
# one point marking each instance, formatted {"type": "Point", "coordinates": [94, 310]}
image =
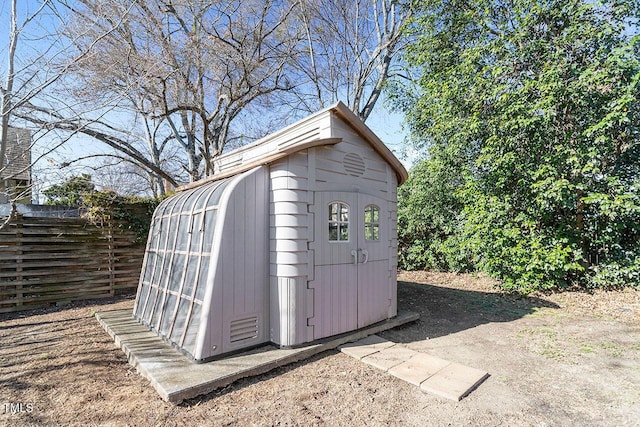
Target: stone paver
{"type": "Point", "coordinates": [432, 374]}
{"type": "Point", "coordinates": [454, 381]}
{"type": "Point", "coordinates": [389, 357]}
{"type": "Point", "coordinates": [365, 347]}
{"type": "Point", "coordinates": [418, 368]}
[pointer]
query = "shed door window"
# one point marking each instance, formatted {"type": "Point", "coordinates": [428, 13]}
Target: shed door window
{"type": "Point", "coordinates": [372, 222]}
{"type": "Point", "coordinates": [338, 222]}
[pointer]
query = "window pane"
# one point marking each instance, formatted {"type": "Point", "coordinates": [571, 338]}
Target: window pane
{"type": "Point", "coordinates": [196, 233]}
{"type": "Point", "coordinates": [157, 310]}
{"type": "Point", "coordinates": [344, 232]}
{"type": "Point", "coordinates": [333, 231]}
{"type": "Point", "coordinates": [344, 212]}
{"type": "Point", "coordinates": [192, 329]}
{"type": "Point", "coordinates": [172, 224]}
{"type": "Point", "coordinates": [163, 232]}
{"type": "Point", "coordinates": [149, 305]}
{"type": "Point", "coordinates": [148, 269]}
{"type": "Point", "coordinates": [142, 300]}
{"type": "Point", "coordinates": [201, 283]}
{"type": "Point", "coordinates": [191, 277]}
{"type": "Point", "coordinates": [209, 226]}
{"type": "Point", "coordinates": [181, 317]}
{"type": "Point", "coordinates": [217, 193]}
{"type": "Point", "coordinates": [376, 232]}
{"type": "Point", "coordinates": [175, 274]}
{"type": "Point", "coordinates": [333, 212]}
{"type": "Point", "coordinates": [182, 235]}
{"type": "Point", "coordinates": [338, 221]}
{"type": "Point", "coordinates": [371, 213]}
{"type": "Point", "coordinates": [167, 313]}
{"type": "Point", "coordinates": [372, 222]}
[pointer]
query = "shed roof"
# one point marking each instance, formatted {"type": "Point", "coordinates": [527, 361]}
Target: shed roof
{"type": "Point", "coordinates": [306, 133]}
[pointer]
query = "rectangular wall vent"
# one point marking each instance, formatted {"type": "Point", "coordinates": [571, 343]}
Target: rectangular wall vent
{"type": "Point", "coordinates": [244, 329]}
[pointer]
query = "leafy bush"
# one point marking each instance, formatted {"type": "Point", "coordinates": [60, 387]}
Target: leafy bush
{"type": "Point", "coordinates": [428, 211]}
{"type": "Point", "coordinates": [71, 192]}
{"type": "Point", "coordinates": [126, 212]}
{"type": "Point", "coordinates": [529, 115]}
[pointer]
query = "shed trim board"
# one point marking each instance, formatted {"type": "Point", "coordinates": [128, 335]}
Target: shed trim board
{"type": "Point", "coordinates": [293, 240]}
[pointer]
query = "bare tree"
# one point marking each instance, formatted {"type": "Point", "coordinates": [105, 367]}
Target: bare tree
{"type": "Point", "coordinates": [350, 50]}
{"type": "Point", "coordinates": [38, 59]}
{"type": "Point", "coordinates": [7, 89]}
{"type": "Point", "coordinates": [191, 67]}
{"type": "Point", "coordinates": [8, 92]}
{"type": "Point", "coordinates": [168, 84]}
{"type": "Point", "coordinates": [40, 94]}
{"type": "Point", "coordinates": [137, 144]}
{"type": "Point", "coordinates": [122, 177]}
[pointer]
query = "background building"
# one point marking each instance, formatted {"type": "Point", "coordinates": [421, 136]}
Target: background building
{"type": "Point", "coordinates": [15, 176]}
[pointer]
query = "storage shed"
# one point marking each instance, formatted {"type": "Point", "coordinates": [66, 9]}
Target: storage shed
{"type": "Point", "coordinates": [292, 240]}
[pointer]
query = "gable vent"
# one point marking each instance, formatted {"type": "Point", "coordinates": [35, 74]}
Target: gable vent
{"type": "Point", "coordinates": [353, 164]}
{"type": "Point", "coordinates": [244, 329]}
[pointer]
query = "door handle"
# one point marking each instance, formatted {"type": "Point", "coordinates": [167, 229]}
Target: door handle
{"type": "Point", "coordinates": [366, 255]}
{"type": "Point", "coordinates": [354, 254]}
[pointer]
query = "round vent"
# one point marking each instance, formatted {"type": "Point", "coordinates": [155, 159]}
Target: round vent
{"type": "Point", "coordinates": [353, 164]}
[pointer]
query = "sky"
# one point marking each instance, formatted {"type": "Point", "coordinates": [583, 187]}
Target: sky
{"type": "Point", "coordinates": [388, 126]}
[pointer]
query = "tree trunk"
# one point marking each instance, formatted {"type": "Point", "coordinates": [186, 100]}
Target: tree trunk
{"type": "Point", "coordinates": [8, 89]}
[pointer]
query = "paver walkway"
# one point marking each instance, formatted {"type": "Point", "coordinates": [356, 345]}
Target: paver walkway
{"type": "Point", "coordinates": [432, 374]}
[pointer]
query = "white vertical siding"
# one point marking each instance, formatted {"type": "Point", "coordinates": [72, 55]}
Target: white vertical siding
{"type": "Point", "coordinates": [239, 280]}
{"type": "Point", "coordinates": [244, 262]}
{"type": "Point", "coordinates": [335, 293]}
{"type": "Point", "coordinates": [374, 293]}
{"type": "Point", "coordinates": [291, 305]}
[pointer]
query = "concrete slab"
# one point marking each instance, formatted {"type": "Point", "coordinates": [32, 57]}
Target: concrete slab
{"type": "Point", "coordinates": [454, 381]}
{"type": "Point", "coordinates": [389, 357]}
{"type": "Point", "coordinates": [176, 378]}
{"type": "Point", "coordinates": [365, 347]}
{"type": "Point", "coordinates": [418, 368]}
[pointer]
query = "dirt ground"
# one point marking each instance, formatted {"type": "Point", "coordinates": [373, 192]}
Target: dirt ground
{"type": "Point", "coordinates": [555, 360]}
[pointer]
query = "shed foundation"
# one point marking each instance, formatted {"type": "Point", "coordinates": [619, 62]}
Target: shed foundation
{"type": "Point", "coordinates": [176, 378]}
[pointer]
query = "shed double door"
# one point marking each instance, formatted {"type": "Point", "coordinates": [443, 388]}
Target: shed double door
{"type": "Point", "coordinates": [351, 285]}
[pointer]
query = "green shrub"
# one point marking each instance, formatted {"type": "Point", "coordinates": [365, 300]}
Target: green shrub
{"type": "Point", "coordinates": [528, 116]}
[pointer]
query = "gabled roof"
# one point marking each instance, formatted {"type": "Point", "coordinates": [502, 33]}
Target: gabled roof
{"type": "Point", "coordinates": [312, 131]}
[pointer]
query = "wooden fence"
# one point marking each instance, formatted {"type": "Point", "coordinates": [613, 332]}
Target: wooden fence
{"type": "Point", "coordinates": [56, 260]}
